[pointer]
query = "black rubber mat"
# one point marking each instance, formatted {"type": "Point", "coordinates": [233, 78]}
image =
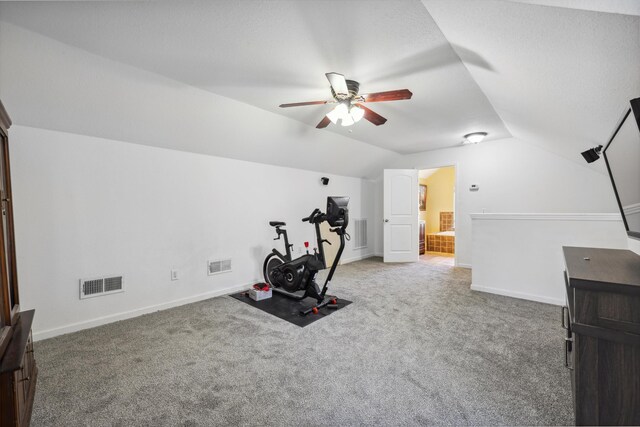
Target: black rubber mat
{"type": "Point", "coordinates": [289, 309]}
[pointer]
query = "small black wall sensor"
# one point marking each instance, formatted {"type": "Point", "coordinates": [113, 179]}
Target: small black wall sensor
{"type": "Point", "coordinates": [325, 180]}
{"type": "Point", "coordinates": [592, 154]}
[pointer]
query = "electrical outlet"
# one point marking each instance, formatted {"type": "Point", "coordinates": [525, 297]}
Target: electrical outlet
{"type": "Point", "coordinates": [174, 274]}
{"type": "Point", "coordinates": [299, 249]}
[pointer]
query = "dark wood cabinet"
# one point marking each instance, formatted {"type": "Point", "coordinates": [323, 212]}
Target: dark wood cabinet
{"type": "Point", "coordinates": [602, 344]}
{"type": "Point", "coordinates": [18, 374]}
{"type": "Point", "coordinates": [18, 370]}
{"type": "Point", "coordinates": [422, 237]}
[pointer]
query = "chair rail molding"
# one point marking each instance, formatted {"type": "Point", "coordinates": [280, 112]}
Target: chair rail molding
{"type": "Point", "coordinates": [547, 216]}
{"type": "Point", "coordinates": [520, 254]}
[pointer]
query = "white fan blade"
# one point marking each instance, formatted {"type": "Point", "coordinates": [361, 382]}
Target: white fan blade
{"type": "Point", "coordinates": [338, 83]}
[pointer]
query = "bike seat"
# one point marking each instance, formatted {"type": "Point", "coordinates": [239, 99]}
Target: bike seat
{"type": "Point", "coordinates": [276, 223]}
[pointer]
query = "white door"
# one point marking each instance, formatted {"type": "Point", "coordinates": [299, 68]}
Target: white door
{"type": "Point", "coordinates": [401, 232]}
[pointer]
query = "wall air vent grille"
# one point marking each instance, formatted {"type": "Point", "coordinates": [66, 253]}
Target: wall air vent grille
{"type": "Point", "coordinates": [101, 286]}
{"type": "Point", "coordinates": [219, 266]}
{"type": "Point", "coordinates": [360, 233]}
{"type": "Point", "coordinates": [112, 284]}
{"type": "Point", "coordinates": [92, 287]}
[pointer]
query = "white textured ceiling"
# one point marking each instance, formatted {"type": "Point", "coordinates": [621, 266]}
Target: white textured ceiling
{"type": "Point", "coordinates": [623, 7]}
{"type": "Point", "coordinates": [562, 76]}
{"type": "Point", "coordinates": [555, 73]}
{"type": "Point", "coordinates": [265, 53]}
{"type": "Point", "coordinates": [51, 85]}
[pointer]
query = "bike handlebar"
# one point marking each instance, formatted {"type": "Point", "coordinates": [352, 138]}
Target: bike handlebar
{"type": "Point", "coordinates": [312, 216]}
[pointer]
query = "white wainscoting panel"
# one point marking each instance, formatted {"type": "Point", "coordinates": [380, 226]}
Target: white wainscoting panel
{"type": "Point", "coordinates": [520, 255]}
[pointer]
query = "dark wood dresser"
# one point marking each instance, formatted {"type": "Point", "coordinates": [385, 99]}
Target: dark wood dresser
{"type": "Point", "coordinates": [18, 371]}
{"type": "Point", "coordinates": [423, 239]}
{"type": "Point", "coordinates": [602, 344]}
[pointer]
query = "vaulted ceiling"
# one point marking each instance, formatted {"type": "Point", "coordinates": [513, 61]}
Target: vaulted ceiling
{"type": "Point", "coordinates": [561, 76]}
{"type": "Point", "coordinates": [556, 77]}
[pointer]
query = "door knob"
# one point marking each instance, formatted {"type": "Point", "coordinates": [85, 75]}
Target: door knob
{"type": "Point", "coordinates": [386, 220]}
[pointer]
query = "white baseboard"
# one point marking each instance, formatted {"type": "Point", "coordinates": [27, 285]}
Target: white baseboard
{"type": "Point", "coordinates": [74, 327]}
{"type": "Point", "coordinates": [356, 258]}
{"type": "Point", "coordinates": [460, 264]}
{"type": "Point", "coordinates": [520, 295]}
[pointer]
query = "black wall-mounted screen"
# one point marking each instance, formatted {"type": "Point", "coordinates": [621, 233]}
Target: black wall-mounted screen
{"type": "Point", "coordinates": [622, 155]}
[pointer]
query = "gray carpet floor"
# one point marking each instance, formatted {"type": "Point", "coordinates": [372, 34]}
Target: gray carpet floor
{"type": "Point", "coordinates": [416, 347]}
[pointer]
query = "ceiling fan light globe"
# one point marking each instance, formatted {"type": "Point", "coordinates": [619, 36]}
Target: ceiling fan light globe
{"type": "Point", "coordinates": [341, 110]}
{"type": "Point", "coordinates": [335, 114]}
{"type": "Point", "coordinates": [347, 120]}
{"type": "Point", "coordinates": [357, 113]}
{"type": "Point", "coordinates": [338, 113]}
{"type": "Point", "coordinates": [333, 117]}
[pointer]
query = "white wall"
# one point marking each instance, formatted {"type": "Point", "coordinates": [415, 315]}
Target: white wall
{"type": "Point", "coordinates": [514, 177]}
{"type": "Point", "coordinates": [87, 207]}
{"type": "Point", "coordinates": [520, 255]}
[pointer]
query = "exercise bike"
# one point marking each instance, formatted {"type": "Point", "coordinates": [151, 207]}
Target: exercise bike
{"type": "Point", "coordinates": [296, 278]}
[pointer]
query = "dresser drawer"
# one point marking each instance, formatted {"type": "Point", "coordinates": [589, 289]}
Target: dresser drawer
{"type": "Point", "coordinates": [28, 362]}
{"type": "Point", "coordinates": [20, 390]}
{"type": "Point", "coordinates": [618, 312]}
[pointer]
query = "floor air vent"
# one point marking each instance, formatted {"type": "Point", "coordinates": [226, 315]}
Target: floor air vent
{"type": "Point", "coordinates": [100, 286]}
{"type": "Point", "coordinates": [360, 233]}
{"type": "Point", "coordinates": [219, 266]}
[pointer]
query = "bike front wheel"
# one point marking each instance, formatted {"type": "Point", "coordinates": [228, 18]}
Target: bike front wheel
{"type": "Point", "coordinates": [270, 263]}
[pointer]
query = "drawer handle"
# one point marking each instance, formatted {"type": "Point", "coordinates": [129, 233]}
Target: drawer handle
{"type": "Point", "coordinates": [25, 379]}
{"type": "Point", "coordinates": [567, 349]}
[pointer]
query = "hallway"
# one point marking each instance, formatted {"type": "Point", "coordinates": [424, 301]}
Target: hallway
{"type": "Point", "coordinates": [437, 258]}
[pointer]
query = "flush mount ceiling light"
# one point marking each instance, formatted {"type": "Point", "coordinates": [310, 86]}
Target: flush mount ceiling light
{"type": "Point", "coordinates": [474, 138]}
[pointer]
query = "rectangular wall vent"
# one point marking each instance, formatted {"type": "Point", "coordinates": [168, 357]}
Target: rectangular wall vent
{"type": "Point", "coordinates": [360, 233]}
{"type": "Point", "coordinates": [113, 284]}
{"type": "Point", "coordinates": [219, 266]}
{"type": "Point", "coordinates": [101, 286]}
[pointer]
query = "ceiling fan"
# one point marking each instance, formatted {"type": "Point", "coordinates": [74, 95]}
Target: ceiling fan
{"type": "Point", "coordinates": [350, 109]}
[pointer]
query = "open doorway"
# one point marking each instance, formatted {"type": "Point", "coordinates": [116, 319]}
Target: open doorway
{"type": "Point", "coordinates": [437, 193]}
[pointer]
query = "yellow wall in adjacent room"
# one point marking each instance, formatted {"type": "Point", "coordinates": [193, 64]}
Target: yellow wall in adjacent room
{"type": "Point", "coordinates": [440, 188]}
{"type": "Point", "coordinates": [423, 214]}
